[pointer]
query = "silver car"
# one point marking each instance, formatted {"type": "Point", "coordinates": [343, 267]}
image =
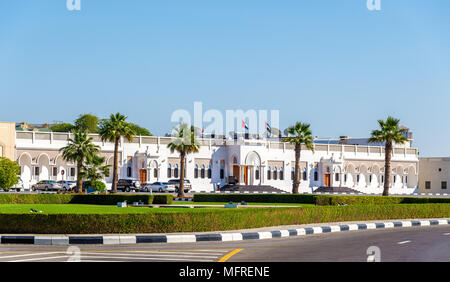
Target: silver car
{"type": "Point", "coordinates": [161, 187]}
{"type": "Point", "coordinates": [46, 185]}
{"type": "Point", "coordinates": [67, 185]}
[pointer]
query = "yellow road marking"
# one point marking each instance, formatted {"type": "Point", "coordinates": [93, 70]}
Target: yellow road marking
{"type": "Point", "coordinates": [229, 255]}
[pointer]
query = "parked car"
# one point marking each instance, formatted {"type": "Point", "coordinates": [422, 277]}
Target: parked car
{"type": "Point", "coordinates": [46, 185]}
{"type": "Point", "coordinates": [176, 182]}
{"type": "Point", "coordinates": [67, 185]}
{"type": "Point", "coordinates": [159, 187]}
{"type": "Point", "coordinates": [18, 187]}
{"type": "Point", "coordinates": [127, 185]}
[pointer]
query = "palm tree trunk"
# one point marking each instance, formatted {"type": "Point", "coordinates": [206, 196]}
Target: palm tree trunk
{"type": "Point", "coordinates": [182, 164]}
{"type": "Point", "coordinates": [79, 179]}
{"type": "Point", "coordinates": [116, 161]}
{"type": "Point", "coordinates": [387, 168]}
{"type": "Point", "coordinates": [297, 170]}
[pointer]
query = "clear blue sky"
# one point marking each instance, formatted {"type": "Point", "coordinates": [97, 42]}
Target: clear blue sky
{"type": "Point", "coordinates": [332, 63]}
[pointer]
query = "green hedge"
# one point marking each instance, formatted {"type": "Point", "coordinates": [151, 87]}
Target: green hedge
{"type": "Point", "coordinates": [210, 220]}
{"type": "Point", "coordinates": [83, 199]}
{"type": "Point", "coordinates": [320, 200]}
{"type": "Point", "coordinates": [256, 198]}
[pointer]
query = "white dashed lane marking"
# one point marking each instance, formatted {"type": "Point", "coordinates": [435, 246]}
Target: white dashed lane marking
{"type": "Point", "coordinates": [404, 242]}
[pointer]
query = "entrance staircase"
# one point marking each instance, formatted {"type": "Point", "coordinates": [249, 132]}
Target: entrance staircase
{"type": "Point", "coordinates": [251, 189]}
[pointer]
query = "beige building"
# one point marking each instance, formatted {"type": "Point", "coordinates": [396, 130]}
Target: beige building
{"type": "Point", "coordinates": [434, 175]}
{"type": "Point", "coordinates": [7, 139]}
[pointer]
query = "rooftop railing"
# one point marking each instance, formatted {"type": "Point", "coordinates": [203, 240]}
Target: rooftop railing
{"type": "Point", "coordinates": [148, 140]}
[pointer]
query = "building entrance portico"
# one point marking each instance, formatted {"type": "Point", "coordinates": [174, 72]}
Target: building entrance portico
{"type": "Point", "coordinates": [244, 174]}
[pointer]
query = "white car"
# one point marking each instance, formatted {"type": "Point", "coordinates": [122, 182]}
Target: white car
{"type": "Point", "coordinates": [18, 187]}
{"type": "Point", "coordinates": [159, 187]}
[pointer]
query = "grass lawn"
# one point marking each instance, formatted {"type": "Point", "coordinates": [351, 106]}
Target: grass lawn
{"type": "Point", "coordinates": [89, 209]}
{"type": "Point", "coordinates": [250, 204]}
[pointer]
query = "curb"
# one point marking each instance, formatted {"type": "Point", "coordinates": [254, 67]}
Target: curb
{"type": "Point", "coordinates": [213, 237]}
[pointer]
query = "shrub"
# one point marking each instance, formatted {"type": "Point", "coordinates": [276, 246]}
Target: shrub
{"type": "Point", "coordinates": [320, 200]}
{"type": "Point", "coordinates": [96, 185]}
{"type": "Point", "coordinates": [162, 199]}
{"type": "Point", "coordinates": [256, 198]}
{"type": "Point", "coordinates": [8, 173]}
{"type": "Point", "coordinates": [83, 199]}
{"type": "Point", "coordinates": [210, 220]}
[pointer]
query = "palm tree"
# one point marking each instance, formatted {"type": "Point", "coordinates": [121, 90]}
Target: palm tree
{"type": "Point", "coordinates": [80, 150]}
{"type": "Point", "coordinates": [94, 169]}
{"type": "Point", "coordinates": [389, 134]}
{"type": "Point", "coordinates": [184, 143]}
{"type": "Point", "coordinates": [112, 130]}
{"type": "Point", "coordinates": [299, 134]}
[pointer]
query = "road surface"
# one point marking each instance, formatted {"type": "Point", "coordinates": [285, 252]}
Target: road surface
{"type": "Point", "coordinates": [424, 244]}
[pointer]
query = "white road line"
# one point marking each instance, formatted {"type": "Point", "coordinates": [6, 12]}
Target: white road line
{"type": "Point", "coordinates": [102, 260]}
{"type": "Point", "coordinates": [149, 255]}
{"type": "Point", "coordinates": [31, 254]}
{"type": "Point", "coordinates": [446, 234]}
{"type": "Point", "coordinates": [146, 258]}
{"type": "Point", "coordinates": [157, 252]}
{"type": "Point", "coordinates": [35, 259]}
{"type": "Point", "coordinates": [404, 242]}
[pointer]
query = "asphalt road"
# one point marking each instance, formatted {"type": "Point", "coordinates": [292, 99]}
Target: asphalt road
{"type": "Point", "coordinates": [423, 244]}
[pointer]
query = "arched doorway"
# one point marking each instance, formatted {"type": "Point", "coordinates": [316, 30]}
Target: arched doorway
{"type": "Point", "coordinates": [252, 165]}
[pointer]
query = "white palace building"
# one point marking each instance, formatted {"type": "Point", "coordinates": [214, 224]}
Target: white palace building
{"type": "Point", "coordinates": [342, 162]}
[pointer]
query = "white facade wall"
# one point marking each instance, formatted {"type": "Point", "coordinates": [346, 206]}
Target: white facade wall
{"type": "Point", "coordinates": [435, 171]}
{"type": "Point", "coordinates": [350, 162]}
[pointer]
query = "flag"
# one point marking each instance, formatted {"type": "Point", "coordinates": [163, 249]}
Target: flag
{"type": "Point", "coordinates": [244, 125]}
{"type": "Point", "coordinates": [268, 128]}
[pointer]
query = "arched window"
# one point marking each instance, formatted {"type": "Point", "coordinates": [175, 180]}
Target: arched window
{"type": "Point", "coordinates": [209, 172]}
{"type": "Point", "coordinates": [202, 172]}
{"type": "Point", "coordinates": [269, 173]}
{"type": "Point", "coordinates": [169, 171]}
{"type": "Point", "coordinates": [196, 171]}
{"type": "Point", "coordinates": [336, 177]}
{"type": "Point", "coordinates": [281, 173]}
{"type": "Point", "coordinates": [292, 173]}
{"type": "Point", "coordinates": [275, 173]}
{"type": "Point", "coordinates": [175, 171]}
{"type": "Point", "coordinates": [155, 172]}
{"type": "Point", "coordinates": [257, 173]}
{"type": "Point", "coordinates": [316, 175]}
{"type": "Point", "coordinates": [305, 176]}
